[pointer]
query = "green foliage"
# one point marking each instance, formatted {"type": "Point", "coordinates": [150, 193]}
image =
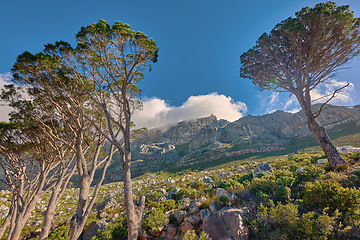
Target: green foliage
{"type": "Point", "coordinates": [311, 173]}
{"type": "Point", "coordinates": [164, 206]}
{"type": "Point", "coordinates": [153, 196]}
{"type": "Point", "coordinates": [224, 199]}
{"type": "Point", "coordinates": [355, 176]}
{"type": "Point", "coordinates": [275, 187]}
{"type": "Point", "coordinates": [285, 222]}
{"type": "Point", "coordinates": [60, 233]}
{"type": "Point", "coordinates": [190, 235]}
{"type": "Point", "coordinates": [115, 230]}
{"type": "Point", "coordinates": [154, 220]}
{"type": "Point", "coordinates": [229, 184]}
{"type": "Point", "coordinates": [191, 193]}
{"type": "Point", "coordinates": [331, 196]}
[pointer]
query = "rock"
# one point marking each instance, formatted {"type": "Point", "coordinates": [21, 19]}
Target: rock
{"type": "Point", "coordinates": [163, 191]}
{"type": "Point", "coordinates": [186, 226]}
{"type": "Point", "coordinates": [103, 215]}
{"type": "Point", "coordinates": [194, 219]}
{"type": "Point", "coordinates": [347, 149]}
{"type": "Point", "coordinates": [204, 213]}
{"type": "Point", "coordinates": [172, 193]}
{"type": "Point", "coordinates": [207, 180]}
{"type": "Point", "coordinates": [113, 219]}
{"type": "Point", "coordinates": [262, 168]}
{"type": "Point", "coordinates": [240, 168]}
{"type": "Point", "coordinates": [195, 205]}
{"type": "Point", "coordinates": [252, 162]}
{"type": "Point", "coordinates": [170, 232]}
{"type": "Point", "coordinates": [180, 215]}
{"type": "Point", "coordinates": [322, 161]}
{"type": "Point", "coordinates": [185, 201]}
{"type": "Point", "coordinates": [92, 230]}
{"type": "Point", "coordinates": [227, 224]}
{"type": "Point", "coordinates": [161, 199]}
{"type": "Point", "coordinates": [110, 202]}
{"type": "Point", "coordinates": [222, 192]}
{"type": "Point", "coordinates": [300, 170]}
{"type": "Point", "coordinates": [144, 236]}
{"type": "Point", "coordinates": [214, 207]}
{"type": "Point", "coordinates": [226, 175]}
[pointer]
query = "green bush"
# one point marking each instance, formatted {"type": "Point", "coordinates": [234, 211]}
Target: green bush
{"type": "Point", "coordinates": [154, 220]}
{"type": "Point", "coordinates": [311, 173]}
{"type": "Point", "coordinates": [276, 188]}
{"type": "Point", "coordinates": [285, 222]}
{"type": "Point", "coordinates": [164, 206]}
{"type": "Point", "coordinates": [229, 184]}
{"type": "Point", "coordinates": [61, 233]}
{"type": "Point", "coordinates": [331, 196]}
{"type": "Point", "coordinates": [153, 196]}
{"type": "Point", "coordinates": [115, 230]}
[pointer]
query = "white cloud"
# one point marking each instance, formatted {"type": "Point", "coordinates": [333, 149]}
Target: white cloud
{"type": "Point", "coordinates": [4, 110]}
{"type": "Point", "coordinates": [273, 101]}
{"type": "Point", "coordinates": [156, 112]}
{"type": "Point", "coordinates": [324, 91]}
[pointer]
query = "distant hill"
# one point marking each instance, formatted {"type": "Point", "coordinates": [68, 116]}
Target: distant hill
{"type": "Point", "coordinates": [200, 142]}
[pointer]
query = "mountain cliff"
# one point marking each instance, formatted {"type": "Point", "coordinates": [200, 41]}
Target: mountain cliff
{"type": "Point", "coordinates": [198, 141]}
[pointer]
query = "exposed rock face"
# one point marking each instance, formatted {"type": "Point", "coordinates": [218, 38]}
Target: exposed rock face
{"type": "Point", "coordinates": [92, 230]}
{"type": "Point", "coordinates": [207, 139]}
{"type": "Point", "coordinates": [262, 168]}
{"type": "Point", "coordinates": [226, 224]}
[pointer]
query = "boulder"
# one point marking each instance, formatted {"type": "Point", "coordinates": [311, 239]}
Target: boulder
{"type": "Point", "coordinates": [226, 175]}
{"type": "Point", "coordinates": [322, 161]}
{"type": "Point", "coordinates": [110, 202]}
{"type": "Point", "coordinates": [240, 169]}
{"type": "Point", "coordinates": [347, 149]}
{"type": "Point", "coordinates": [204, 213]}
{"type": "Point", "coordinates": [226, 224]}
{"type": "Point", "coordinates": [262, 168]}
{"type": "Point", "coordinates": [172, 193]}
{"type": "Point", "coordinates": [300, 170]}
{"type": "Point", "coordinates": [180, 215]}
{"type": "Point", "coordinates": [214, 207]}
{"type": "Point", "coordinates": [92, 230]}
{"type": "Point", "coordinates": [195, 205]}
{"type": "Point", "coordinates": [186, 226]}
{"type": "Point", "coordinates": [171, 231]}
{"type": "Point", "coordinates": [222, 192]}
{"type": "Point", "coordinates": [185, 201]}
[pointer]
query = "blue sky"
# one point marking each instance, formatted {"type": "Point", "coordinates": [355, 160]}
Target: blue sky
{"type": "Point", "coordinates": [200, 43]}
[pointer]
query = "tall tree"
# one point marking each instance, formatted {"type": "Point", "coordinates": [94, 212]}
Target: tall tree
{"type": "Point", "coordinates": [48, 82]}
{"type": "Point", "coordinates": [301, 53]}
{"type": "Point", "coordinates": [110, 60]}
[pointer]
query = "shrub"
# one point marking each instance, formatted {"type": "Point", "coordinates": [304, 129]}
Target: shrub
{"type": "Point", "coordinates": [285, 222]}
{"type": "Point", "coordinates": [342, 167]}
{"type": "Point", "coordinates": [153, 196]}
{"type": "Point", "coordinates": [62, 232]}
{"type": "Point", "coordinates": [164, 206]}
{"type": "Point", "coordinates": [229, 184]}
{"type": "Point", "coordinates": [311, 173]}
{"type": "Point", "coordinates": [115, 230]}
{"type": "Point", "coordinates": [273, 187]}
{"type": "Point", "coordinates": [331, 196]}
{"type": "Point", "coordinates": [154, 220]}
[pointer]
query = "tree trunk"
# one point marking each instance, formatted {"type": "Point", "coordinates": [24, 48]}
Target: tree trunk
{"type": "Point", "coordinates": [6, 221]}
{"type": "Point", "coordinates": [77, 221]}
{"type": "Point", "coordinates": [133, 213]}
{"type": "Point", "coordinates": [321, 135]}
{"type": "Point", "coordinates": [50, 212]}
{"type": "Point", "coordinates": [21, 219]}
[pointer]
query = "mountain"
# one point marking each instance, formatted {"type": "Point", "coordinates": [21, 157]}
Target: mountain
{"type": "Point", "coordinates": [203, 141]}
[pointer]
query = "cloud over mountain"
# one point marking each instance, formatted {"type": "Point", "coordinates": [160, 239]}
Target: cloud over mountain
{"type": "Point", "coordinates": [156, 112]}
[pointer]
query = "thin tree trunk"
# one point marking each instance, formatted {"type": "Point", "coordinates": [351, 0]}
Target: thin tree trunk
{"type": "Point", "coordinates": [133, 213]}
{"type": "Point", "coordinates": [321, 135]}
{"type": "Point", "coordinates": [7, 220]}
{"type": "Point", "coordinates": [22, 218]}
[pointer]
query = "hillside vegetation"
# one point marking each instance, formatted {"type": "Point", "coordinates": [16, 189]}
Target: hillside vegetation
{"type": "Point", "coordinates": [299, 199]}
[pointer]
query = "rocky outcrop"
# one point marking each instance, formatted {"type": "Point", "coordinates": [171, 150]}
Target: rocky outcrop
{"type": "Point", "coordinates": [226, 224]}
